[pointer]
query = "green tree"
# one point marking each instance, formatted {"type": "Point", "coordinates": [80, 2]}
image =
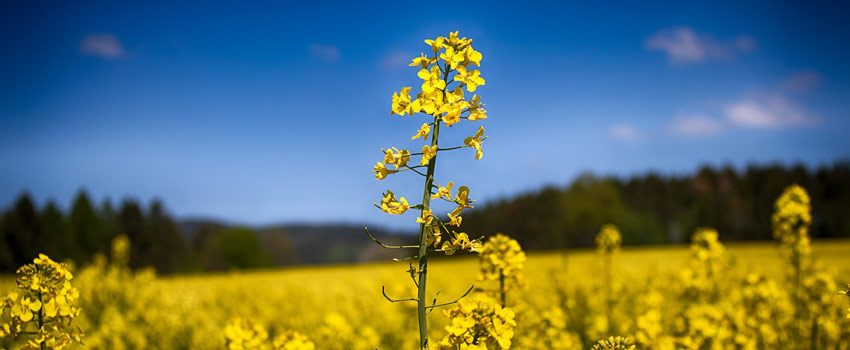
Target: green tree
{"type": "Point", "coordinates": [87, 228]}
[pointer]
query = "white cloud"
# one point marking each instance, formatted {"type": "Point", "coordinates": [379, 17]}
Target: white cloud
{"type": "Point", "coordinates": [105, 45]}
{"type": "Point", "coordinates": [325, 52]}
{"type": "Point", "coordinates": [768, 111]}
{"type": "Point", "coordinates": [683, 46]}
{"type": "Point", "coordinates": [395, 60]}
{"type": "Point", "coordinates": [625, 132]}
{"type": "Point", "coordinates": [802, 81]}
{"type": "Point", "coordinates": [697, 125]}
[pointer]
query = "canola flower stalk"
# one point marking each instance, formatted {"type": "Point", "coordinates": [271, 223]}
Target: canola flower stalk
{"type": "Point", "coordinates": [791, 220]}
{"type": "Point", "coordinates": [608, 242]}
{"type": "Point", "coordinates": [446, 106]}
{"type": "Point", "coordinates": [43, 307]}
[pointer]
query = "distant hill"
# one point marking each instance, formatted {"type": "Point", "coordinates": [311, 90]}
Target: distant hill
{"type": "Point", "coordinates": [316, 243]}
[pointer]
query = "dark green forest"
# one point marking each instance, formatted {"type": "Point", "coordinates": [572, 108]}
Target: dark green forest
{"type": "Point", "coordinates": [649, 209]}
{"type": "Point", "coordinates": [156, 238]}
{"type": "Point", "coordinates": [654, 208]}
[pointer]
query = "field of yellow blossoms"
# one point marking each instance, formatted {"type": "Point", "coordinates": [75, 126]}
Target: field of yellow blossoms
{"type": "Point", "coordinates": [660, 299]}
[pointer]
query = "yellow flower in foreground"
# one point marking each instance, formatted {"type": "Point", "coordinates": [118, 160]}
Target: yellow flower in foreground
{"type": "Point", "coordinates": [462, 197]}
{"type": "Point", "coordinates": [423, 132]}
{"type": "Point", "coordinates": [402, 104]}
{"type": "Point", "coordinates": [460, 241]}
{"type": "Point", "coordinates": [428, 152]}
{"type": "Point", "coordinates": [452, 57]}
{"type": "Point", "coordinates": [432, 80]}
{"type": "Point", "coordinates": [472, 56]}
{"type": "Point", "coordinates": [422, 61]}
{"type": "Point", "coordinates": [471, 78]}
{"type": "Point", "coordinates": [392, 206]}
{"type": "Point", "coordinates": [454, 217]}
{"type": "Point", "coordinates": [426, 217]}
{"type": "Point", "coordinates": [437, 44]}
{"type": "Point", "coordinates": [475, 142]}
{"type": "Point", "coordinates": [444, 192]}
{"type": "Point", "coordinates": [381, 171]}
{"type": "Point", "coordinates": [476, 110]}
{"type": "Point", "coordinates": [395, 157]}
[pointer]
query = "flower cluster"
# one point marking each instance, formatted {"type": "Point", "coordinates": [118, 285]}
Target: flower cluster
{"type": "Point", "coordinates": [608, 239]}
{"type": "Point", "coordinates": [501, 258]}
{"type": "Point", "coordinates": [449, 62]}
{"type": "Point", "coordinates": [708, 259]}
{"type": "Point", "coordinates": [42, 307]}
{"type": "Point", "coordinates": [478, 324]}
{"type": "Point", "coordinates": [614, 343]}
{"type": "Point", "coordinates": [791, 220]}
{"type": "Point", "coordinates": [242, 334]}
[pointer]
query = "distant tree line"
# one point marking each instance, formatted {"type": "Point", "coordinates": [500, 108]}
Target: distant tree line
{"type": "Point", "coordinates": [156, 239]}
{"type": "Point", "coordinates": [654, 208]}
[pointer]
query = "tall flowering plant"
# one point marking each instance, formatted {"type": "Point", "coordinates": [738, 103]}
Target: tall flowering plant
{"type": "Point", "coordinates": [43, 308]}
{"type": "Point", "coordinates": [447, 76]}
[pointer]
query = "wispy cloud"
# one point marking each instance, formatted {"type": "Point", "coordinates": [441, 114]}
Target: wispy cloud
{"type": "Point", "coordinates": [802, 81]}
{"type": "Point", "coordinates": [768, 111]}
{"type": "Point", "coordinates": [625, 132]}
{"type": "Point", "coordinates": [395, 60]}
{"type": "Point", "coordinates": [104, 45]}
{"type": "Point", "coordinates": [328, 53]}
{"type": "Point", "coordinates": [695, 125]}
{"type": "Point", "coordinates": [682, 45]}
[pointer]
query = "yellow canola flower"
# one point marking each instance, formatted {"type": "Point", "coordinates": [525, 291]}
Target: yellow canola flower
{"type": "Point", "coordinates": [423, 132]}
{"type": "Point", "coordinates": [479, 323]}
{"type": "Point", "coordinates": [293, 341]}
{"type": "Point", "coordinates": [436, 44]}
{"type": "Point", "coordinates": [241, 334]}
{"type": "Point", "coordinates": [471, 78]}
{"type": "Point", "coordinates": [791, 220]}
{"type": "Point", "coordinates": [452, 114]}
{"type": "Point", "coordinates": [608, 239]}
{"type": "Point", "coordinates": [462, 197]}
{"type": "Point", "coordinates": [454, 217]}
{"type": "Point", "coordinates": [452, 57]}
{"type": "Point", "coordinates": [428, 153]}
{"type": "Point", "coordinates": [475, 142]}
{"type": "Point", "coordinates": [472, 56]}
{"type": "Point", "coordinates": [431, 102]}
{"type": "Point", "coordinates": [426, 217]}
{"type": "Point", "coordinates": [460, 241]}
{"type": "Point", "coordinates": [395, 157]}
{"type": "Point", "coordinates": [402, 104]}
{"type": "Point", "coordinates": [381, 171]}
{"type": "Point", "coordinates": [476, 110]}
{"type": "Point", "coordinates": [434, 236]}
{"type": "Point", "coordinates": [444, 192]}
{"type": "Point", "coordinates": [614, 343]}
{"type": "Point", "coordinates": [433, 80]}
{"type": "Point", "coordinates": [422, 61]}
{"type": "Point", "coordinates": [390, 205]}
{"type": "Point", "coordinates": [501, 256]}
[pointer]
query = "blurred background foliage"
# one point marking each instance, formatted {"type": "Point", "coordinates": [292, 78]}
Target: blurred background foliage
{"type": "Point", "coordinates": [649, 209]}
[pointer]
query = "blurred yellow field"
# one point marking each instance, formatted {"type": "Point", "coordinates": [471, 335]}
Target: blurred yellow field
{"type": "Point", "coordinates": [341, 307]}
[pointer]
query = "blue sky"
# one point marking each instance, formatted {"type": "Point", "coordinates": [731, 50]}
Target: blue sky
{"type": "Point", "coordinates": [269, 112]}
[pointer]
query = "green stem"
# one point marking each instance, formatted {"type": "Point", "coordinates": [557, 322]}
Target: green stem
{"type": "Point", "coordinates": [40, 315]}
{"type": "Point", "coordinates": [502, 286]}
{"type": "Point", "coordinates": [608, 301]}
{"type": "Point", "coordinates": [423, 244]}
